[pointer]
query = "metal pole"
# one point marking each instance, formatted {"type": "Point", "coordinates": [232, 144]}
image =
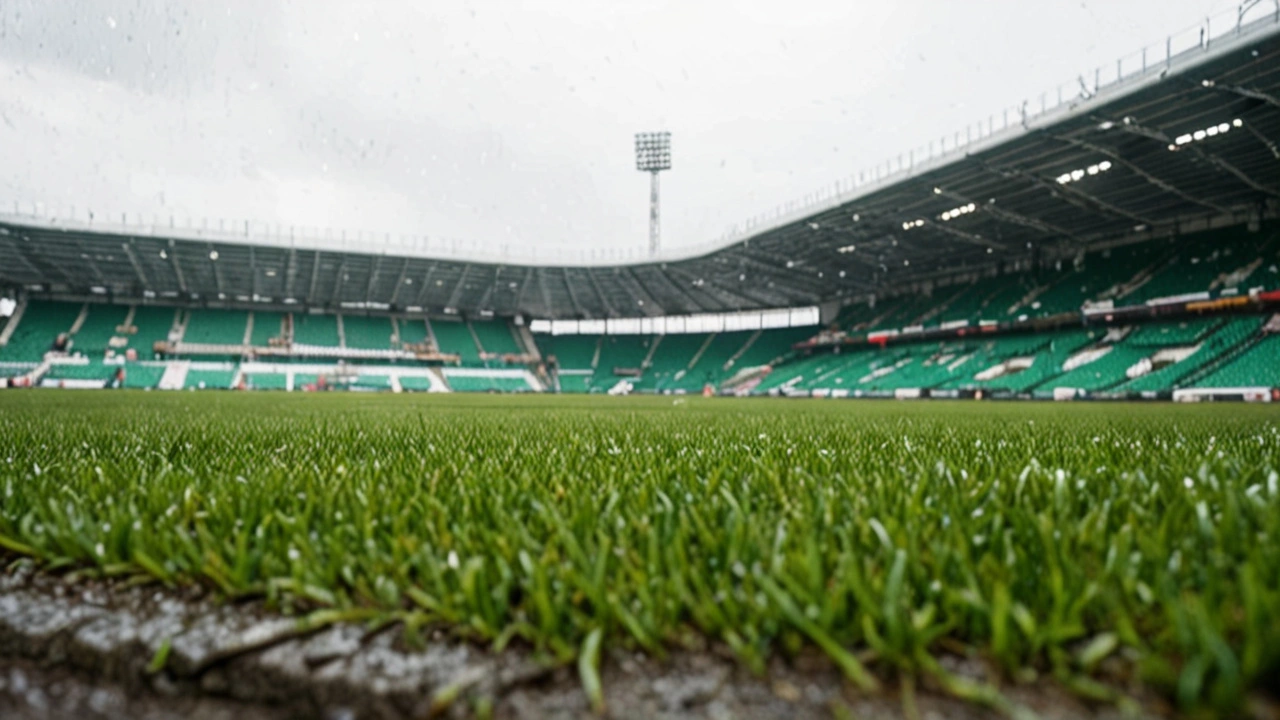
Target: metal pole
{"type": "Point", "coordinates": [654, 233]}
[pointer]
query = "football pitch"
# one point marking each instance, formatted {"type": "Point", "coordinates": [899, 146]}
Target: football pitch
{"type": "Point", "coordinates": [1100, 545]}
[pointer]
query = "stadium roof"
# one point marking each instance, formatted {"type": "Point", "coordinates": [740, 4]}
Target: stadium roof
{"type": "Point", "coordinates": [1185, 138]}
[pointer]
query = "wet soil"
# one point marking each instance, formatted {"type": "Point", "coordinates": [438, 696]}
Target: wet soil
{"type": "Point", "coordinates": [90, 649]}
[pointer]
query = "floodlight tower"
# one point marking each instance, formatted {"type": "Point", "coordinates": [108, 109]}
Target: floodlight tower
{"type": "Point", "coordinates": [653, 155]}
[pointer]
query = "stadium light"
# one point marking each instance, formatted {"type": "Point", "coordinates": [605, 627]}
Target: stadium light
{"type": "Point", "coordinates": [1204, 133]}
{"type": "Point", "coordinates": [912, 224]}
{"type": "Point", "coordinates": [1080, 173]}
{"type": "Point", "coordinates": [653, 155]}
{"type": "Point", "coordinates": [954, 213]}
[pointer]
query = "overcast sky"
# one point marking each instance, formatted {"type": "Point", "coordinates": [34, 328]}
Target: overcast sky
{"type": "Point", "coordinates": [510, 122]}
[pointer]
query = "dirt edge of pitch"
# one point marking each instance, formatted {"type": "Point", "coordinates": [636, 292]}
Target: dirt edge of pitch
{"type": "Point", "coordinates": [156, 647]}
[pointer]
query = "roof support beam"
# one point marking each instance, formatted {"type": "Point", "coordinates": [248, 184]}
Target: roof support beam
{"type": "Point", "coordinates": [217, 275]}
{"type": "Point", "coordinates": [93, 266]}
{"type": "Point", "coordinates": [541, 275]}
{"type": "Point", "coordinates": [137, 266]}
{"type": "Point", "coordinates": [1066, 192]}
{"type": "Point", "coordinates": [1223, 165]}
{"type": "Point", "coordinates": [604, 300]}
{"type": "Point", "coordinates": [778, 268]}
{"type": "Point", "coordinates": [1118, 159]}
{"type": "Point", "coordinates": [1275, 151]}
{"type": "Point", "coordinates": [19, 253]}
{"type": "Point", "coordinates": [404, 270]}
{"type": "Point", "coordinates": [744, 299]}
{"type": "Point", "coordinates": [695, 305]}
{"type": "Point", "coordinates": [426, 285]}
{"type": "Point", "coordinates": [963, 235]}
{"type": "Point", "coordinates": [488, 291]}
{"type": "Point", "coordinates": [290, 271]}
{"type": "Point", "coordinates": [177, 269]}
{"type": "Point", "coordinates": [373, 278]}
{"type": "Point", "coordinates": [573, 296]}
{"type": "Point", "coordinates": [777, 295]}
{"type": "Point", "coordinates": [1011, 217]}
{"type": "Point", "coordinates": [339, 278]}
{"type": "Point", "coordinates": [253, 272]}
{"type": "Point", "coordinates": [648, 296]}
{"type": "Point", "coordinates": [456, 293]}
{"type": "Point", "coordinates": [315, 275]}
{"type": "Point", "coordinates": [1249, 93]}
{"type": "Point", "coordinates": [518, 307]}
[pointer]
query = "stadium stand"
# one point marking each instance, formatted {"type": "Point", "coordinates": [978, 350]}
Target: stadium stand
{"type": "Point", "coordinates": [1258, 364]}
{"type": "Point", "coordinates": [267, 381]}
{"type": "Point", "coordinates": [266, 326]}
{"type": "Point", "coordinates": [769, 346]}
{"type": "Point", "coordinates": [368, 332]}
{"type": "Point", "coordinates": [138, 375]}
{"type": "Point", "coordinates": [670, 360]}
{"type": "Point", "coordinates": [413, 331]}
{"type": "Point", "coordinates": [1144, 357]}
{"type": "Point", "coordinates": [216, 327]}
{"type": "Point", "coordinates": [415, 384]}
{"type": "Point", "coordinates": [1220, 338]}
{"type": "Point", "coordinates": [708, 366]}
{"type": "Point", "coordinates": [485, 383]}
{"type": "Point", "coordinates": [455, 338]}
{"type": "Point", "coordinates": [576, 352]}
{"type": "Point", "coordinates": [314, 329]}
{"type": "Point", "coordinates": [1207, 263]}
{"type": "Point", "coordinates": [301, 380]}
{"type": "Point", "coordinates": [574, 382]}
{"type": "Point", "coordinates": [151, 324]}
{"type": "Point", "coordinates": [87, 371]}
{"type": "Point", "coordinates": [372, 382]}
{"type": "Point", "coordinates": [1019, 363]}
{"type": "Point", "coordinates": [209, 379]}
{"type": "Point", "coordinates": [99, 327]}
{"type": "Point", "coordinates": [495, 336]}
{"type": "Point", "coordinates": [621, 357]}
{"type": "Point", "coordinates": [1102, 368]}
{"type": "Point", "coordinates": [39, 327]}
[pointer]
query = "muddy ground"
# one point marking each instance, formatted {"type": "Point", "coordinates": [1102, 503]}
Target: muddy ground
{"type": "Point", "coordinates": [88, 649]}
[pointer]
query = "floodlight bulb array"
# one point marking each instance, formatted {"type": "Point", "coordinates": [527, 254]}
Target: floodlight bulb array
{"type": "Point", "coordinates": [1080, 173]}
{"type": "Point", "coordinates": [1205, 133]}
{"type": "Point", "coordinates": [653, 151]}
{"type": "Point", "coordinates": [954, 213]}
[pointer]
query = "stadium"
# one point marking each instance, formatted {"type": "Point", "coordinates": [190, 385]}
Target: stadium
{"type": "Point", "coordinates": [1119, 242]}
{"type": "Point", "coordinates": [766, 527]}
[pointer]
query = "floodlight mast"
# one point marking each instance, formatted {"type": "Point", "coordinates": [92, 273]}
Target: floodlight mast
{"type": "Point", "coordinates": [653, 155]}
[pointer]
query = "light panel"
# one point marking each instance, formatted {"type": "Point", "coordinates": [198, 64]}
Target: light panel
{"type": "Point", "coordinates": [1081, 173]}
{"type": "Point", "coordinates": [653, 151]}
{"type": "Point", "coordinates": [954, 213]}
{"type": "Point", "coordinates": [1204, 134]}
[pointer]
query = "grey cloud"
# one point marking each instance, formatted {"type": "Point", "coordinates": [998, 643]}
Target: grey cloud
{"type": "Point", "coordinates": [509, 122]}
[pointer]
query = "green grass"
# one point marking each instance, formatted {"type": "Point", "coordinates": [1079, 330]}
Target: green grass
{"type": "Point", "coordinates": [1046, 540]}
